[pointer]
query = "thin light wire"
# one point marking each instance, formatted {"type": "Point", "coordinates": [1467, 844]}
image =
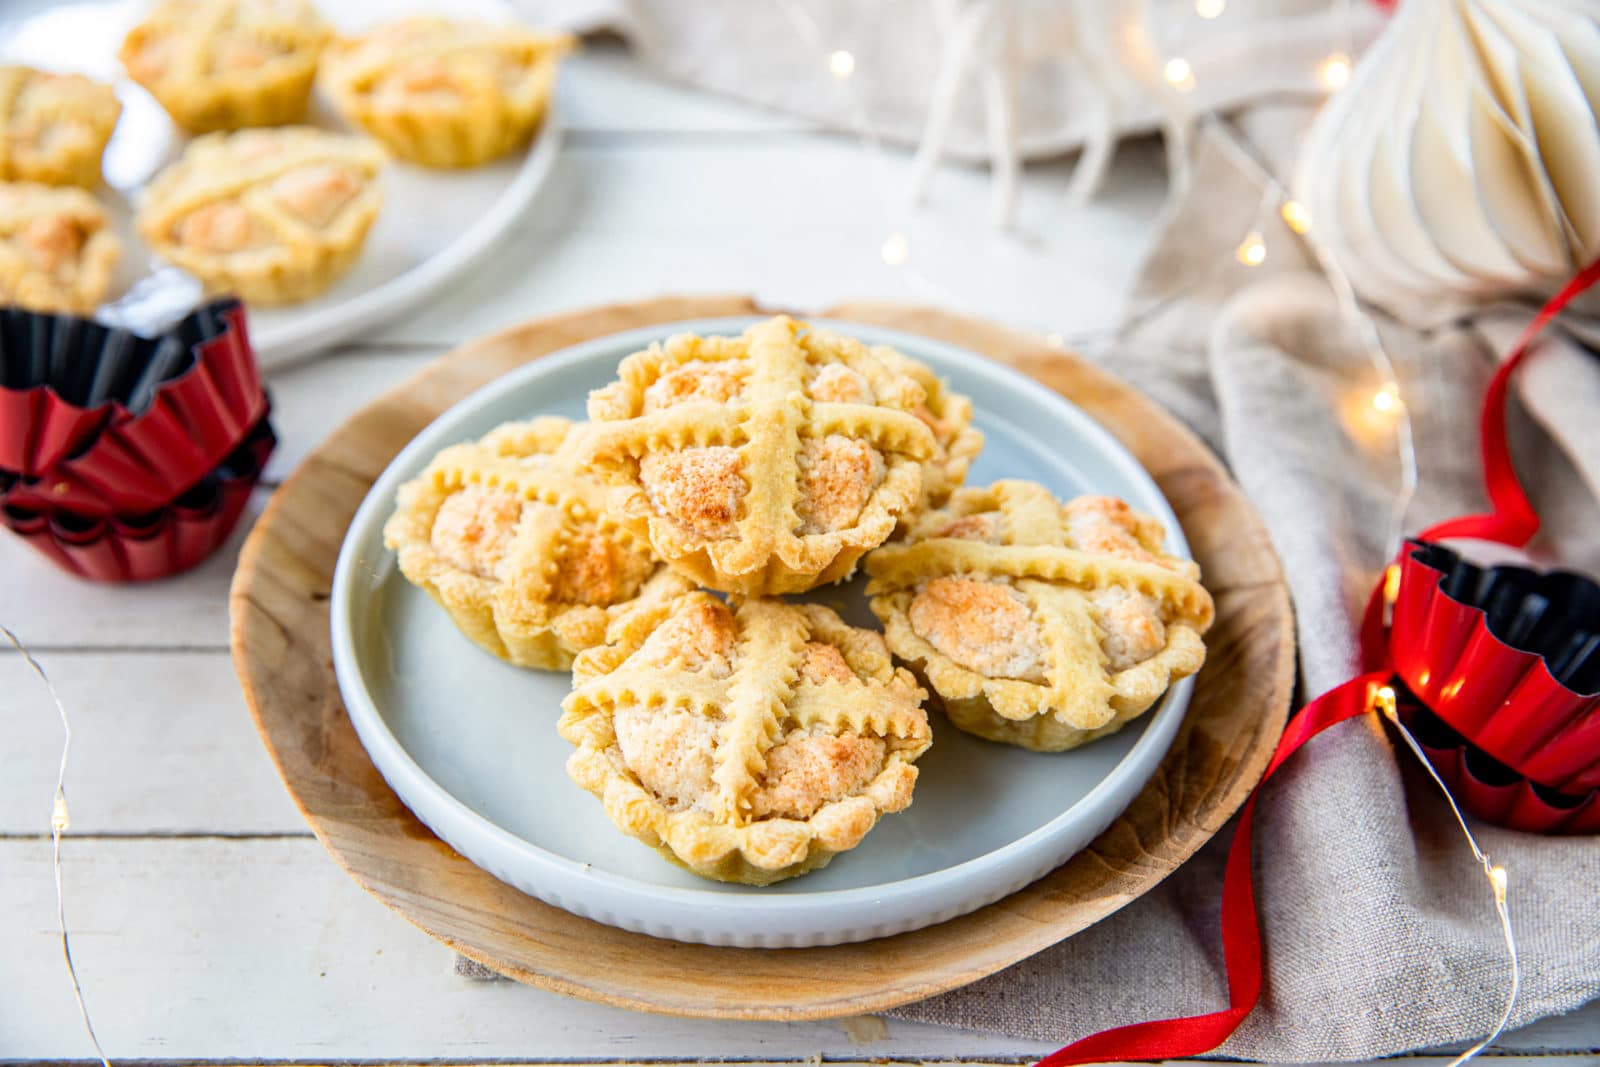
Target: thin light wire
{"type": "Point", "coordinates": [1497, 875]}
{"type": "Point", "coordinates": [1356, 314]}
{"type": "Point", "coordinates": [58, 824]}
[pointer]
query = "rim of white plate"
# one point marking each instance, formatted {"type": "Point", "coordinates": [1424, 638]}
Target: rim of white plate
{"type": "Point", "coordinates": [747, 920]}
{"type": "Point", "coordinates": [282, 344]}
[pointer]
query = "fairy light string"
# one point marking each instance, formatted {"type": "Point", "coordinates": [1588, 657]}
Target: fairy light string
{"type": "Point", "coordinates": [1384, 702]}
{"type": "Point", "coordinates": [60, 820]}
{"type": "Point", "coordinates": [1333, 74]}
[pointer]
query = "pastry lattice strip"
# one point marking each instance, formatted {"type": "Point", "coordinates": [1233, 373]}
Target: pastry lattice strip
{"type": "Point", "coordinates": [762, 699]}
{"type": "Point", "coordinates": [1038, 543]}
{"type": "Point", "coordinates": [767, 425]}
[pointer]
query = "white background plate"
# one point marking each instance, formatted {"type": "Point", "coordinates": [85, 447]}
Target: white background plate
{"type": "Point", "coordinates": [469, 743]}
{"type": "Point", "coordinates": [434, 223]}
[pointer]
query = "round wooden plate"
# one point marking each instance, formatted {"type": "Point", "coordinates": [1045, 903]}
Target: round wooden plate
{"type": "Point", "coordinates": [281, 651]}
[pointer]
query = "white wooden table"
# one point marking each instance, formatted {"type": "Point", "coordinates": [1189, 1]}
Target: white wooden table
{"type": "Point", "coordinates": [209, 924]}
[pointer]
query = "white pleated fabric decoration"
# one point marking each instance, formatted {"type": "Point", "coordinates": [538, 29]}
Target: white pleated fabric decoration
{"type": "Point", "coordinates": [1462, 163]}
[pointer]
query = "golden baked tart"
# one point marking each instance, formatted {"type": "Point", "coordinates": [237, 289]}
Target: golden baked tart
{"type": "Point", "coordinates": [509, 538]}
{"type": "Point", "coordinates": [54, 127]}
{"type": "Point", "coordinates": [274, 216]}
{"type": "Point", "coordinates": [56, 249]}
{"type": "Point", "coordinates": [770, 462]}
{"type": "Point", "coordinates": [445, 93]}
{"type": "Point", "coordinates": [1038, 623]}
{"type": "Point", "coordinates": [749, 744]}
{"type": "Point", "coordinates": [226, 64]}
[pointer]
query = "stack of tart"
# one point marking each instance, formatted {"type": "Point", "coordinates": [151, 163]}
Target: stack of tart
{"type": "Point", "coordinates": [260, 205]}
{"type": "Point", "coordinates": [750, 738]}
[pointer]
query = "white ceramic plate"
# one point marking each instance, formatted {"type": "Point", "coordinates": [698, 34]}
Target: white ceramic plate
{"type": "Point", "coordinates": [434, 224]}
{"type": "Point", "coordinates": [469, 743]}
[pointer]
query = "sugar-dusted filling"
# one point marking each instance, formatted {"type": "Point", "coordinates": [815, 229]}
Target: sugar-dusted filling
{"type": "Point", "coordinates": [838, 384]}
{"type": "Point", "coordinates": [221, 226]}
{"type": "Point", "coordinates": [236, 52]}
{"type": "Point", "coordinates": [474, 528]}
{"type": "Point", "coordinates": [983, 626]}
{"type": "Point", "coordinates": [1106, 525]}
{"type": "Point", "coordinates": [316, 194]}
{"type": "Point", "coordinates": [670, 751]}
{"type": "Point", "coordinates": [700, 637]}
{"type": "Point", "coordinates": [596, 570]}
{"type": "Point", "coordinates": [697, 381]}
{"type": "Point", "coordinates": [837, 476]}
{"type": "Point", "coordinates": [700, 489]}
{"type": "Point", "coordinates": [1131, 623]}
{"type": "Point", "coordinates": [53, 243]}
{"type": "Point", "coordinates": [422, 83]}
{"type": "Point", "coordinates": [808, 768]}
{"type": "Point", "coordinates": [985, 526]}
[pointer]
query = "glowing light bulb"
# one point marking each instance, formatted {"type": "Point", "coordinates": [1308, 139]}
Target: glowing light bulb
{"type": "Point", "coordinates": [1498, 878]}
{"type": "Point", "coordinates": [896, 250]}
{"type": "Point", "coordinates": [1179, 74]}
{"type": "Point", "coordinates": [1391, 583]}
{"type": "Point", "coordinates": [1383, 701]}
{"type": "Point", "coordinates": [842, 64]}
{"type": "Point", "coordinates": [1335, 71]}
{"type": "Point", "coordinates": [1252, 251]}
{"type": "Point", "coordinates": [1209, 9]}
{"type": "Point", "coordinates": [1387, 399]}
{"type": "Point", "coordinates": [1296, 216]}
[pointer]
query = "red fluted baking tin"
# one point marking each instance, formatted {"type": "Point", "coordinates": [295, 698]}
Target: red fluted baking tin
{"type": "Point", "coordinates": [140, 547]}
{"type": "Point", "coordinates": [1492, 791]}
{"type": "Point", "coordinates": [1508, 657]}
{"type": "Point", "coordinates": [101, 420]}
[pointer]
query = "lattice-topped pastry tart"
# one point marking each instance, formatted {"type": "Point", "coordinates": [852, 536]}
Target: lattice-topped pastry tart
{"type": "Point", "coordinates": [226, 64]}
{"type": "Point", "coordinates": [771, 462]}
{"type": "Point", "coordinates": [54, 127]}
{"type": "Point", "coordinates": [509, 538]}
{"type": "Point", "coordinates": [1038, 623]}
{"type": "Point", "coordinates": [57, 251]}
{"type": "Point", "coordinates": [274, 216]}
{"type": "Point", "coordinates": [750, 744]}
{"type": "Point", "coordinates": [445, 93]}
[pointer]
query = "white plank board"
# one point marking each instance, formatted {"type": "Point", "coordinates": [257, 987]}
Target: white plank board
{"type": "Point", "coordinates": [604, 90]}
{"type": "Point", "coordinates": [800, 221]}
{"type": "Point", "coordinates": [161, 744]}
{"type": "Point", "coordinates": [48, 608]}
{"type": "Point", "coordinates": [202, 949]}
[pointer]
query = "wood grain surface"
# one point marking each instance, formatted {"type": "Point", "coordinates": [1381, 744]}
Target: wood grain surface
{"type": "Point", "coordinates": [280, 645]}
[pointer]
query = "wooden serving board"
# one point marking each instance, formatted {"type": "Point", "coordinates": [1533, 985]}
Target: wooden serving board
{"type": "Point", "coordinates": [279, 605]}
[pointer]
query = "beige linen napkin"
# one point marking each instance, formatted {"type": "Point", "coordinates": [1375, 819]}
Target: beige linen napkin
{"type": "Point", "coordinates": [1379, 930]}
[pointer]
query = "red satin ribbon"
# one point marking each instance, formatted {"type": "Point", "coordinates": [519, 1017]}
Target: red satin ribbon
{"type": "Point", "coordinates": [1512, 521]}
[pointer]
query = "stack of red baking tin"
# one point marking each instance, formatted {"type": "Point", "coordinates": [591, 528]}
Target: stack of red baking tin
{"type": "Point", "coordinates": [125, 458]}
{"type": "Point", "coordinates": [1502, 665]}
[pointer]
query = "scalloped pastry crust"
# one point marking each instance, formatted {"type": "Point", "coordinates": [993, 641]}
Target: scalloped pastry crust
{"type": "Point", "coordinates": [227, 64]}
{"type": "Point", "coordinates": [275, 216]}
{"type": "Point", "coordinates": [54, 127]}
{"type": "Point", "coordinates": [509, 538]}
{"type": "Point", "coordinates": [749, 744]}
{"type": "Point", "coordinates": [772, 462]}
{"type": "Point", "coordinates": [445, 93]}
{"type": "Point", "coordinates": [1040, 624]}
{"type": "Point", "coordinates": [56, 248]}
